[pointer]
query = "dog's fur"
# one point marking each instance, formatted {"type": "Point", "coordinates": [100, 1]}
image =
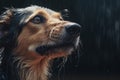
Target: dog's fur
{"type": "Point", "coordinates": [30, 38]}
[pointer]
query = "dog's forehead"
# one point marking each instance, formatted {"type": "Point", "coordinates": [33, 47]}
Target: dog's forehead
{"type": "Point", "coordinates": [32, 9]}
{"type": "Point", "coordinates": [22, 14]}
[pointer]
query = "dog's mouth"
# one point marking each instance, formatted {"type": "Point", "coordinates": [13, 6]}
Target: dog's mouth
{"type": "Point", "coordinates": [45, 49]}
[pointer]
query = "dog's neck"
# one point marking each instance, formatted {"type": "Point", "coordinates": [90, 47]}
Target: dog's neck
{"type": "Point", "coordinates": [33, 70]}
{"type": "Point", "coordinates": [31, 66]}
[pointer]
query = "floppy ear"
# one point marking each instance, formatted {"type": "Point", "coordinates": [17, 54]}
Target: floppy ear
{"type": "Point", "coordinates": [5, 18]}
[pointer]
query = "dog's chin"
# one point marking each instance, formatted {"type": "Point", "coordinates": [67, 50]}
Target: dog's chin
{"type": "Point", "coordinates": [66, 46]}
{"type": "Point", "coordinates": [54, 48]}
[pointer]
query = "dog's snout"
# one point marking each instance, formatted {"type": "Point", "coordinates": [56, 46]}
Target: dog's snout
{"type": "Point", "coordinates": [73, 29]}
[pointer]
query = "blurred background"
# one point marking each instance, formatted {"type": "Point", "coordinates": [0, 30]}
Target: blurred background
{"type": "Point", "coordinates": [99, 55]}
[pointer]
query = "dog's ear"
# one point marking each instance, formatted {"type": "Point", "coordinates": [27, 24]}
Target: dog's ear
{"type": "Point", "coordinates": [65, 13]}
{"type": "Point", "coordinates": [5, 18]}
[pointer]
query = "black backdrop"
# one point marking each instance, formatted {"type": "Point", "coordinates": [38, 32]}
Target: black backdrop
{"type": "Point", "coordinates": [100, 20]}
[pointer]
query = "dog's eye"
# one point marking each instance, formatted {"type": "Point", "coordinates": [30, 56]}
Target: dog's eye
{"type": "Point", "coordinates": [38, 19]}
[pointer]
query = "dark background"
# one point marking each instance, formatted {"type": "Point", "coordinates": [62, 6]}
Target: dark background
{"type": "Point", "coordinates": [99, 57]}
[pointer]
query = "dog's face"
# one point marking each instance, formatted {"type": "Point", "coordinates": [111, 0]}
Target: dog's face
{"type": "Point", "coordinates": [44, 33]}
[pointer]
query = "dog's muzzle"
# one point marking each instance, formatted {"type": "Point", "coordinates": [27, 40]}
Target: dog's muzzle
{"type": "Point", "coordinates": [66, 33]}
{"type": "Point", "coordinates": [63, 37]}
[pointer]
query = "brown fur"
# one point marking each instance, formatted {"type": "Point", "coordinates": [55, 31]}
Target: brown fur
{"type": "Point", "coordinates": [34, 66]}
{"type": "Point", "coordinates": [37, 64]}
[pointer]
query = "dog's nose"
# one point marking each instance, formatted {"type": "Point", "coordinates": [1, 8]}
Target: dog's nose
{"type": "Point", "coordinates": [73, 29]}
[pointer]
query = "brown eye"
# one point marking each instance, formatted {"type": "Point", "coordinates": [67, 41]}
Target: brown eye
{"type": "Point", "coordinates": [38, 19]}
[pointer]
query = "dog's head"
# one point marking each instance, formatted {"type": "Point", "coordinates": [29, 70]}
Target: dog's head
{"type": "Point", "coordinates": [36, 31]}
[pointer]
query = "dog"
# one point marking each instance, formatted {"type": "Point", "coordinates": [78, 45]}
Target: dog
{"type": "Point", "coordinates": [30, 38]}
